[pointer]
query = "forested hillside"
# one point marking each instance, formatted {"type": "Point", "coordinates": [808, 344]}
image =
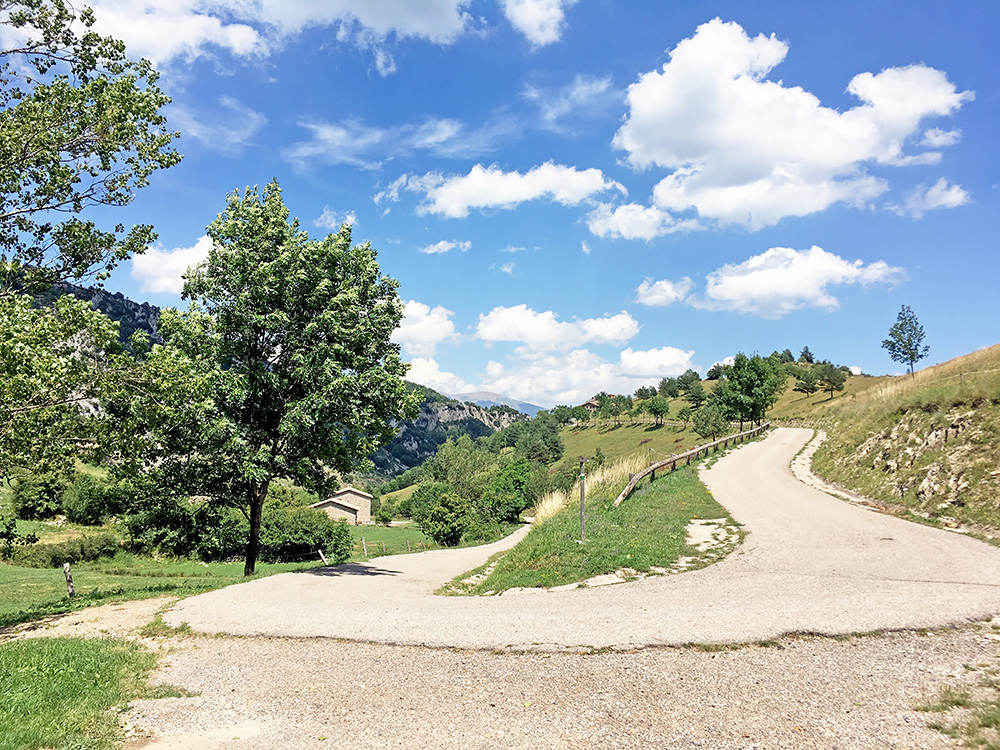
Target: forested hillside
{"type": "Point", "coordinates": [439, 419]}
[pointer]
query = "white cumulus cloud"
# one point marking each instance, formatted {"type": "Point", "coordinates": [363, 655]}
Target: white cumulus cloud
{"type": "Point", "coordinates": [781, 280]}
{"type": "Point", "coordinates": [444, 246]}
{"type": "Point", "coordinates": [424, 327]}
{"type": "Point", "coordinates": [331, 219]}
{"type": "Point", "coordinates": [664, 292]}
{"type": "Point", "coordinates": [161, 270]}
{"type": "Point", "coordinates": [939, 195]}
{"type": "Point", "coordinates": [491, 187]}
{"type": "Point", "coordinates": [543, 331]}
{"type": "Point", "coordinates": [541, 21]}
{"type": "Point", "coordinates": [741, 148]}
{"type": "Point", "coordinates": [426, 371]}
{"type": "Point", "coordinates": [666, 361]}
{"type": "Point", "coordinates": [166, 30]}
{"type": "Point", "coordinates": [632, 221]}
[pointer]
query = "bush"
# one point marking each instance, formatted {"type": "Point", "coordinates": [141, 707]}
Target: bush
{"type": "Point", "coordinates": [81, 549]}
{"type": "Point", "coordinates": [86, 501]}
{"type": "Point", "coordinates": [38, 496]}
{"type": "Point", "coordinates": [384, 516]}
{"type": "Point", "coordinates": [299, 532]}
{"type": "Point", "coordinates": [425, 497]}
{"type": "Point", "coordinates": [446, 521]}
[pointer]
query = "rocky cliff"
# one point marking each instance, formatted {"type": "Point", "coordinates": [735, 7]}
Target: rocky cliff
{"type": "Point", "coordinates": [439, 418]}
{"type": "Point", "coordinates": [130, 316]}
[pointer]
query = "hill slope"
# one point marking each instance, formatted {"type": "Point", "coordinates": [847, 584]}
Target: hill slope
{"type": "Point", "coordinates": [929, 443]}
{"type": "Point", "coordinates": [439, 418]}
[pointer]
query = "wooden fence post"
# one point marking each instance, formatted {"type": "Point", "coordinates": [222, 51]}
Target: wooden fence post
{"type": "Point", "coordinates": [364, 545]}
{"type": "Point", "coordinates": [69, 581]}
{"type": "Point", "coordinates": [383, 546]}
{"type": "Point", "coordinates": [323, 557]}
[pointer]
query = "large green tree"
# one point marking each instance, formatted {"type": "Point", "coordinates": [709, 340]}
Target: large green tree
{"type": "Point", "coordinates": [80, 126]}
{"type": "Point", "coordinates": [282, 368]}
{"type": "Point", "coordinates": [750, 387]}
{"type": "Point", "coordinates": [906, 336]}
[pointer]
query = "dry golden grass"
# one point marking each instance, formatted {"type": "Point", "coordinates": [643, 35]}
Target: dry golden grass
{"type": "Point", "coordinates": [615, 473]}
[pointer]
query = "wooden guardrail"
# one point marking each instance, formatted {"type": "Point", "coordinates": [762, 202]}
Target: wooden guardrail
{"type": "Point", "coordinates": [693, 453]}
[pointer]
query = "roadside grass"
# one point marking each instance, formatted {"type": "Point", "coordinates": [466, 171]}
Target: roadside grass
{"type": "Point", "coordinates": [31, 593]}
{"type": "Point", "coordinates": [941, 425]}
{"type": "Point", "coordinates": [648, 530]}
{"type": "Point", "coordinates": [64, 692]}
{"type": "Point", "coordinates": [971, 715]}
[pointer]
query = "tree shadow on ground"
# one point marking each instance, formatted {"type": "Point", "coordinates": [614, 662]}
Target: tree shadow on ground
{"type": "Point", "coordinates": [349, 569]}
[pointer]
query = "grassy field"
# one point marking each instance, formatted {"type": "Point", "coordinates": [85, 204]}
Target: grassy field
{"type": "Point", "coordinates": [389, 540]}
{"type": "Point", "coordinates": [647, 530]}
{"type": "Point", "coordinates": [63, 692]}
{"type": "Point", "coordinates": [645, 440]}
{"type": "Point", "coordinates": [792, 405]}
{"type": "Point", "coordinates": [29, 593]}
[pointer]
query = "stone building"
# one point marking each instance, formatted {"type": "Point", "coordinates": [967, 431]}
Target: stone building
{"type": "Point", "coordinates": [349, 503]}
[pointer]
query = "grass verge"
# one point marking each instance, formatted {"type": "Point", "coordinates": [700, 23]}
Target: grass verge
{"type": "Point", "coordinates": [646, 531]}
{"type": "Point", "coordinates": [30, 593]}
{"type": "Point", "coordinates": [61, 692]}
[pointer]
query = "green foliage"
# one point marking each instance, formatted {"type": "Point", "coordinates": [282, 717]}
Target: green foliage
{"type": "Point", "coordinates": [659, 407]}
{"type": "Point", "coordinates": [79, 549]}
{"type": "Point", "coordinates": [10, 538]}
{"type": "Point", "coordinates": [506, 496]}
{"type": "Point", "coordinates": [48, 359]}
{"type": "Point", "coordinates": [446, 521]}
{"type": "Point", "coordinates": [282, 368]}
{"type": "Point", "coordinates": [905, 343]}
{"type": "Point", "coordinates": [38, 496]}
{"type": "Point", "coordinates": [684, 414]}
{"type": "Point", "coordinates": [79, 127]}
{"type": "Point", "coordinates": [424, 498]}
{"type": "Point", "coordinates": [288, 534]}
{"type": "Point", "coordinates": [750, 387]}
{"type": "Point", "coordinates": [830, 378]}
{"type": "Point", "coordinates": [63, 692]}
{"type": "Point", "coordinates": [691, 388]}
{"type": "Point", "coordinates": [807, 382]}
{"type": "Point", "coordinates": [89, 501]}
{"type": "Point", "coordinates": [806, 356]}
{"type": "Point", "coordinates": [669, 388]}
{"type": "Point", "coordinates": [384, 516]}
{"type": "Point", "coordinates": [645, 392]}
{"type": "Point", "coordinates": [710, 422]}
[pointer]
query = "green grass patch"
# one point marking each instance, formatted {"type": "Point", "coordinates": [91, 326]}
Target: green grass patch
{"type": "Point", "coordinates": [60, 692]}
{"type": "Point", "coordinates": [645, 531]}
{"type": "Point", "coordinates": [628, 439]}
{"type": "Point", "coordinates": [389, 540]}
{"type": "Point", "coordinates": [31, 593]}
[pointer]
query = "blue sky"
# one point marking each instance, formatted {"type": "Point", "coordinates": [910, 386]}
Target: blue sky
{"type": "Point", "coordinates": [591, 195]}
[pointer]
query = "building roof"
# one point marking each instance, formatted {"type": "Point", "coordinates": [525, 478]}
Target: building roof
{"type": "Point", "coordinates": [343, 497]}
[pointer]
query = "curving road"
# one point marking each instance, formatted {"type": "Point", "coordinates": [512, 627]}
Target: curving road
{"type": "Point", "coordinates": [810, 563]}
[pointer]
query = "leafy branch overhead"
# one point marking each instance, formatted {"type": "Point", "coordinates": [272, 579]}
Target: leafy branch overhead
{"type": "Point", "coordinates": [80, 126]}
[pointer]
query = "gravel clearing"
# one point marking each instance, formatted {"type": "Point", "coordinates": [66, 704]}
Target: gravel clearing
{"type": "Point", "coordinates": [805, 692]}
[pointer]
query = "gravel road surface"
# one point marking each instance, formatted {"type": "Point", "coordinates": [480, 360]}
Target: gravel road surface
{"type": "Point", "coordinates": [809, 563]}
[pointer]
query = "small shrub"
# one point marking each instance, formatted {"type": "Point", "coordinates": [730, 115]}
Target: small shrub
{"type": "Point", "coordinates": [38, 496]}
{"type": "Point", "coordinates": [446, 521]}
{"type": "Point", "coordinates": [384, 516]}
{"type": "Point", "coordinates": [81, 549]}
{"type": "Point", "coordinates": [86, 501]}
{"type": "Point", "coordinates": [297, 532]}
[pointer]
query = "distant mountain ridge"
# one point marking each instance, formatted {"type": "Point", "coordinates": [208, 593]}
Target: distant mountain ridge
{"type": "Point", "coordinates": [488, 399]}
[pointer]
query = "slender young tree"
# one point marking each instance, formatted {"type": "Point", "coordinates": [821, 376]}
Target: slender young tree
{"type": "Point", "coordinates": [905, 343]}
{"type": "Point", "coordinates": [283, 367]}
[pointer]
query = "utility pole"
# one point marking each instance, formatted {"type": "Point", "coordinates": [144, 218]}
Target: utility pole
{"type": "Point", "coordinates": [583, 501]}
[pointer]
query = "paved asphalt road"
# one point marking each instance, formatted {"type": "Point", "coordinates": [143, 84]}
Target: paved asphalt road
{"type": "Point", "coordinates": [810, 563]}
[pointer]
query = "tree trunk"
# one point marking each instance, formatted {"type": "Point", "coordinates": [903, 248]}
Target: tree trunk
{"type": "Point", "coordinates": [257, 496]}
